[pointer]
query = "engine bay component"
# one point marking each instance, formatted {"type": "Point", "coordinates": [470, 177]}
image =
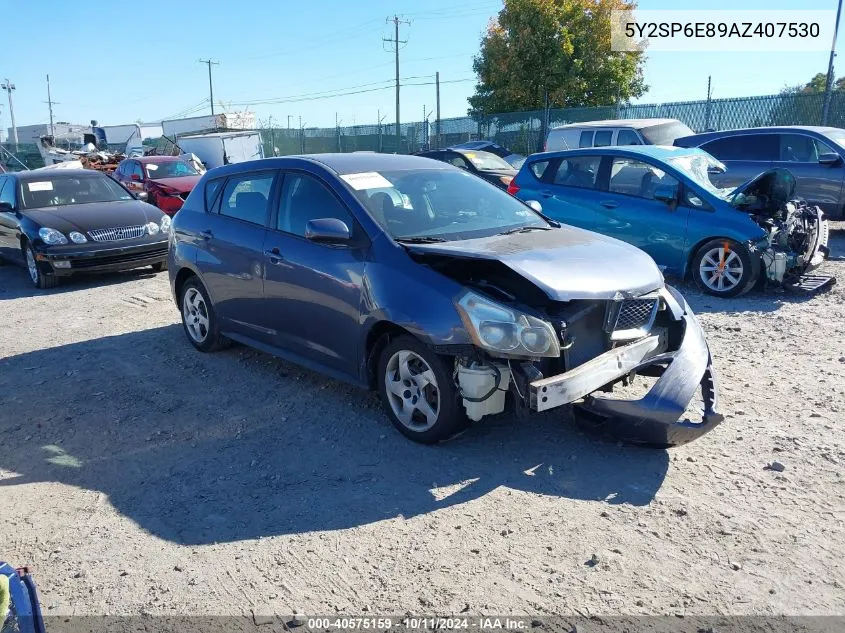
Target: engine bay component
{"type": "Point", "coordinates": [483, 388]}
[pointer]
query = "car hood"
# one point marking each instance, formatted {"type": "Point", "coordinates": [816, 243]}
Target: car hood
{"type": "Point", "coordinates": [183, 184]}
{"type": "Point", "coordinates": [565, 263]}
{"type": "Point", "coordinates": [777, 184]}
{"type": "Point", "coordinates": [94, 215]}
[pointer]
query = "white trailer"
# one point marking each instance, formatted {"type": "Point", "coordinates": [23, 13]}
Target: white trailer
{"type": "Point", "coordinates": [223, 148]}
{"type": "Point", "coordinates": [222, 121]}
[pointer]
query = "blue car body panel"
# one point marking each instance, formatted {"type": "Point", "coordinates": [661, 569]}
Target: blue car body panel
{"type": "Point", "coordinates": [669, 234]}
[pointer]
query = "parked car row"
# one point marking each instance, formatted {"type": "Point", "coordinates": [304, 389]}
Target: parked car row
{"type": "Point", "coordinates": [451, 298]}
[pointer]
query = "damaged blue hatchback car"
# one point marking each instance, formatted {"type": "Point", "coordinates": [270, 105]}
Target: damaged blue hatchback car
{"type": "Point", "coordinates": [452, 299]}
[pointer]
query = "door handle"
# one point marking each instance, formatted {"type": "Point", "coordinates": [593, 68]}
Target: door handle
{"type": "Point", "coordinates": [207, 234]}
{"type": "Point", "coordinates": [274, 256]}
{"type": "Point", "coordinates": [609, 204]}
{"type": "Point", "coordinates": [546, 193]}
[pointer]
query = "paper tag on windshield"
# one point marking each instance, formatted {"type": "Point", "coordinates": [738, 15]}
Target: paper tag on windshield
{"type": "Point", "coordinates": [152, 166]}
{"type": "Point", "coordinates": [367, 180]}
{"type": "Point", "coordinates": [41, 185]}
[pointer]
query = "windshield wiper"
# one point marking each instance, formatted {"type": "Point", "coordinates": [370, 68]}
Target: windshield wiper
{"type": "Point", "coordinates": [525, 229]}
{"type": "Point", "coordinates": [420, 239]}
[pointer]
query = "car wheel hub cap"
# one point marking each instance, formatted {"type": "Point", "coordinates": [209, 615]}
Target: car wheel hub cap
{"type": "Point", "coordinates": [195, 314]}
{"type": "Point", "coordinates": [32, 266]}
{"type": "Point", "coordinates": [721, 269]}
{"type": "Point", "coordinates": [412, 390]}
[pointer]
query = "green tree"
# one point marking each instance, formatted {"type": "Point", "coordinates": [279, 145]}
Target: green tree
{"type": "Point", "coordinates": [559, 47]}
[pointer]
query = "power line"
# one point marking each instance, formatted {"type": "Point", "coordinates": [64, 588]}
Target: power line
{"type": "Point", "coordinates": [327, 40]}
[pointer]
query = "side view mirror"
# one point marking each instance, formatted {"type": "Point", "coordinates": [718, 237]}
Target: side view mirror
{"type": "Point", "coordinates": [135, 177]}
{"type": "Point", "coordinates": [829, 158]}
{"type": "Point", "coordinates": [666, 193]}
{"type": "Point", "coordinates": [5, 207]}
{"type": "Point", "coordinates": [142, 195]}
{"type": "Point", "coordinates": [327, 231]}
{"type": "Point", "coordinates": [535, 205]}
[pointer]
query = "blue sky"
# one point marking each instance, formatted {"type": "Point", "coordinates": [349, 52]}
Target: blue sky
{"type": "Point", "coordinates": [118, 62]}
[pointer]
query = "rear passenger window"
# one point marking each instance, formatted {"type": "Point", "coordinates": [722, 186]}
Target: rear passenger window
{"type": "Point", "coordinates": [539, 168]}
{"type": "Point", "coordinates": [628, 137]}
{"type": "Point", "coordinates": [245, 197]}
{"type": "Point", "coordinates": [580, 171]}
{"type": "Point", "coordinates": [586, 139]}
{"type": "Point", "coordinates": [603, 138]}
{"type": "Point", "coordinates": [212, 188]}
{"type": "Point", "coordinates": [762, 147]}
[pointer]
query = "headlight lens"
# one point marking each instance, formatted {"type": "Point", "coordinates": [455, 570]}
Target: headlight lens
{"type": "Point", "coordinates": [503, 331]}
{"type": "Point", "coordinates": [152, 228]}
{"type": "Point", "coordinates": [165, 224]}
{"type": "Point", "coordinates": [51, 237]}
{"type": "Point", "coordinates": [77, 238]}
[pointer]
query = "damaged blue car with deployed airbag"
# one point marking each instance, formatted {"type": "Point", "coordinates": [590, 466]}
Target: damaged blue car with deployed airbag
{"type": "Point", "coordinates": [452, 299]}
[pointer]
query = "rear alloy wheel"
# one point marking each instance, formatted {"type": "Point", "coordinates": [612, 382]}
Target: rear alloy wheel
{"type": "Point", "coordinates": [38, 278]}
{"type": "Point", "coordinates": [725, 268]}
{"type": "Point", "coordinates": [418, 391]}
{"type": "Point", "coordinates": [199, 318]}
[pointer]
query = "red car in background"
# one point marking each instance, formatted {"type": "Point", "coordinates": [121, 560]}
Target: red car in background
{"type": "Point", "coordinates": [167, 179]}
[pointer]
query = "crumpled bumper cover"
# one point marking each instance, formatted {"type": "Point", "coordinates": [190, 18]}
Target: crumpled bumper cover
{"type": "Point", "coordinates": [656, 418]}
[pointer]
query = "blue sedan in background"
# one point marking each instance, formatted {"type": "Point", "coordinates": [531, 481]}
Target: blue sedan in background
{"type": "Point", "coordinates": [661, 199]}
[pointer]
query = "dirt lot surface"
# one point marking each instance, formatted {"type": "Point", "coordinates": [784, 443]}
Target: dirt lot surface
{"type": "Point", "coordinates": [140, 476]}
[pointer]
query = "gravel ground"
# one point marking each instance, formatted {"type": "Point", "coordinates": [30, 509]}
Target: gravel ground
{"type": "Point", "coordinates": [140, 476]}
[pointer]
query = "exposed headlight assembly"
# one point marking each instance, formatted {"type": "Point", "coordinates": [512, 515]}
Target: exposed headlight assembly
{"type": "Point", "coordinates": [77, 238]}
{"type": "Point", "coordinates": [51, 237]}
{"type": "Point", "coordinates": [152, 228]}
{"type": "Point", "coordinates": [504, 331]}
{"type": "Point", "coordinates": [165, 224]}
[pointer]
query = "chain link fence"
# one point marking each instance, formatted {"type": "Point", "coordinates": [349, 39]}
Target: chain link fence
{"type": "Point", "coordinates": [525, 132]}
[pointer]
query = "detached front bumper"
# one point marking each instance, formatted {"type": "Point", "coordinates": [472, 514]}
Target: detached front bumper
{"type": "Point", "coordinates": [68, 260]}
{"type": "Point", "coordinates": [656, 417]}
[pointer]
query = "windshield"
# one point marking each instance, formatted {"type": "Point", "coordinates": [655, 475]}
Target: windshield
{"type": "Point", "coordinates": [54, 190]}
{"type": "Point", "coordinates": [439, 204]}
{"type": "Point", "coordinates": [666, 133]}
{"type": "Point", "coordinates": [697, 166]}
{"type": "Point", "coordinates": [837, 136]}
{"type": "Point", "coordinates": [486, 161]}
{"type": "Point", "coordinates": [172, 169]}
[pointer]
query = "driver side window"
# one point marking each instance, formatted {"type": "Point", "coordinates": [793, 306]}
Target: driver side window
{"type": "Point", "coordinates": [305, 198]}
{"type": "Point", "coordinates": [636, 178]}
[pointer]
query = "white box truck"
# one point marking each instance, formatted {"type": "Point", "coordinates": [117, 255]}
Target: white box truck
{"type": "Point", "coordinates": [223, 148]}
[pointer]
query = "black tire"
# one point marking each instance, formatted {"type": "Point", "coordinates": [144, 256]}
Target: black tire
{"type": "Point", "coordinates": [159, 267]}
{"type": "Point", "coordinates": [450, 413]}
{"type": "Point", "coordinates": [39, 278]}
{"type": "Point", "coordinates": [745, 269]}
{"type": "Point", "coordinates": [212, 339]}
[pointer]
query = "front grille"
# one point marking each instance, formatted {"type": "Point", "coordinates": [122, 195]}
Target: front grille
{"type": "Point", "coordinates": [635, 314]}
{"type": "Point", "coordinates": [118, 233]}
{"type": "Point", "coordinates": [631, 318]}
{"type": "Point", "coordinates": [122, 258]}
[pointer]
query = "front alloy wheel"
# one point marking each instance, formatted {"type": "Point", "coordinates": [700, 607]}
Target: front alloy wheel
{"type": "Point", "coordinates": [418, 391]}
{"type": "Point", "coordinates": [724, 268]}
{"type": "Point", "coordinates": [38, 278]}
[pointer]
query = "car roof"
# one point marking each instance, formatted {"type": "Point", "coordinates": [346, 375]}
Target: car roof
{"type": "Point", "coordinates": [158, 159]}
{"type": "Point", "coordinates": [706, 136]}
{"type": "Point", "coordinates": [634, 123]}
{"type": "Point", "coordinates": [351, 163]}
{"type": "Point", "coordinates": [657, 152]}
{"type": "Point", "coordinates": [52, 174]}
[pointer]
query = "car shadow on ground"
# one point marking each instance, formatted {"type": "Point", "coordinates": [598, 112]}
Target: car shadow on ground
{"type": "Point", "coordinates": [15, 282]}
{"type": "Point", "coordinates": [204, 448]}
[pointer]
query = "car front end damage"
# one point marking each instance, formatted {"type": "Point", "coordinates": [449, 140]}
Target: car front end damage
{"type": "Point", "coordinates": [549, 330]}
{"type": "Point", "coordinates": [655, 335]}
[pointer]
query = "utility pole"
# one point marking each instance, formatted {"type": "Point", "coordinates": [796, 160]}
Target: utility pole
{"type": "Point", "coordinates": [709, 105]}
{"type": "Point", "coordinates": [437, 81]}
{"type": "Point", "coordinates": [288, 122]}
{"type": "Point", "coordinates": [379, 118]}
{"type": "Point", "coordinates": [272, 135]}
{"type": "Point", "coordinates": [210, 86]}
{"type": "Point", "coordinates": [301, 136]}
{"type": "Point", "coordinates": [396, 42]}
{"type": "Point", "coordinates": [8, 87]}
{"type": "Point", "coordinates": [50, 103]}
{"type": "Point", "coordinates": [829, 82]}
